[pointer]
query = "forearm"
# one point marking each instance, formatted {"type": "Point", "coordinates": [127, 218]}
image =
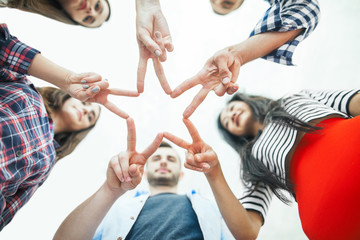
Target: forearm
{"type": "Point", "coordinates": [49, 71]}
{"type": "Point", "coordinates": [354, 105]}
{"type": "Point", "coordinates": [84, 220]}
{"type": "Point", "coordinates": [261, 44]}
{"type": "Point", "coordinates": [241, 224]}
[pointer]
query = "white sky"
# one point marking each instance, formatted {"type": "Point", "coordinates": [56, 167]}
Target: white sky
{"type": "Point", "coordinates": [326, 60]}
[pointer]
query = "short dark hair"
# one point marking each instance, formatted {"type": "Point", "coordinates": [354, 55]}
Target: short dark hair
{"type": "Point", "coordinates": [165, 144]}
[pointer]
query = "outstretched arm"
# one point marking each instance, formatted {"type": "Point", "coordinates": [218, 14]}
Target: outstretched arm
{"type": "Point", "coordinates": [201, 157]}
{"type": "Point", "coordinates": [124, 173]}
{"type": "Point", "coordinates": [221, 71]}
{"type": "Point", "coordinates": [87, 87]}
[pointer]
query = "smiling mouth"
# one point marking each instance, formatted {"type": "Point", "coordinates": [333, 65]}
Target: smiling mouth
{"type": "Point", "coordinates": [83, 5]}
{"type": "Point", "coordinates": [163, 170]}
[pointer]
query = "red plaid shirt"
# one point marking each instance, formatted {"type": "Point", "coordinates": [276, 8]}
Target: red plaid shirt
{"type": "Point", "coordinates": [27, 151]}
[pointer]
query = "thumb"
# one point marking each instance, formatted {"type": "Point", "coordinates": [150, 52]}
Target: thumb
{"type": "Point", "coordinates": [223, 69]}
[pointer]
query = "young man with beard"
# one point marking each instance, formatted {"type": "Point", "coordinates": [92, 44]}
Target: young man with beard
{"type": "Point", "coordinates": [160, 215]}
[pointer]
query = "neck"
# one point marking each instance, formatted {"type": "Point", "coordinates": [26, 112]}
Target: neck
{"type": "Point", "coordinates": [154, 190]}
{"type": "Point", "coordinates": [58, 123]}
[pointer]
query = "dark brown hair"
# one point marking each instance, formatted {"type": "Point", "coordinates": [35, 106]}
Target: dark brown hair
{"type": "Point", "coordinates": [54, 99]}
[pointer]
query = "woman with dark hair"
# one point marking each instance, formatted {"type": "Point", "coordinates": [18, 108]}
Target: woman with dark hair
{"type": "Point", "coordinates": [39, 127]}
{"type": "Point", "coordinates": [305, 144]}
{"type": "Point", "coordinates": [87, 13]}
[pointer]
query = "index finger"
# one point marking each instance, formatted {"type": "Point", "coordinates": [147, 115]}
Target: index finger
{"type": "Point", "coordinates": [131, 137]}
{"type": "Point", "coordinates": [153, 146]}
{"type": "Point", "coordinates": [121, 92]}
{"type": "Point", "coordinates": [192, 130]}
{"type": "Point", "coordinates": [141, 71]}
{"type": "Point", "coordinates": [198, 99]}
{"type": "Point", "coordinates": [186, 85]}
{"type": "Point", "coordinates": [176, 140]}
{"type": "Point", "coordinates": [161, 75]}
{"type": "Point", "coordinates": [113, 108]}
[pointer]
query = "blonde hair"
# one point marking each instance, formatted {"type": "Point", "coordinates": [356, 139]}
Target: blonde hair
{"type": "Point", "coordinates": [54, 99]}
{"type": "Point", "coordinates": [47, 8]}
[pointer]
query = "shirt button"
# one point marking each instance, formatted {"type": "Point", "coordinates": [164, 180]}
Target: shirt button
{"type": "Point", "coordinates": [119, 238]}
{"type": "Point", "coordinates": [132, 218]}
{"type": "Point", "coordinates": [18, 153]}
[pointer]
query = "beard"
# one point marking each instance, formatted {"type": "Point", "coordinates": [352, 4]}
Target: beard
{"type": "Point", "coordinates": [170, 181]}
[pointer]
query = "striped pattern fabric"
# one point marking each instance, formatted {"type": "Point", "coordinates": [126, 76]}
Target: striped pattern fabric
{"type": "Point", "coordinates": [27, 150]}
{"type": "Point", "coordinates": [276, 141]}
{"type": "Point", "coordinates": [288, 15]}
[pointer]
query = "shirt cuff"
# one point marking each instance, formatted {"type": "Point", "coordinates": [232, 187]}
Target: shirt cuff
{"type": "Point", "coordinates": [15, 55]}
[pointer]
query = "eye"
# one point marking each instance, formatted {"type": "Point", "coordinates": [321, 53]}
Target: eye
{"type": "Point", "coordinates": [87, 18]}
{"type": "Point", "coordinates": [156, 159]}
{"type": "Point", "coordinates": [90, 117]}
{"type": "Point", "coordinates": [97, 6]}
{"type": "Point", "coordinates": [172, 159]}
{"type": "Point", "coordinates": [227, 4]}
{"type": "Point", "coordinates": [231, 108]}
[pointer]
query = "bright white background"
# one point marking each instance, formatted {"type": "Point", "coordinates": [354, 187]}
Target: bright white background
{"type": "Point", "coordinates": [326, 60]}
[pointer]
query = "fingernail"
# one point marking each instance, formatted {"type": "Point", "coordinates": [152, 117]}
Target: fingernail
{"type": "Point", "coordinates": [95, 89]}
{"type": "Point", "coordinates": [83, 81]}
{"type": "Point", "coordinates": [106, 79]}
{"type": "Point", "coordinates": [157, 35]}
{"type": "Point", "coordinates": [85, 86]}
{"type": "Point", "coordinates": [206, 166]}
{"type": "Point", "coordinates": [226, 80]}
{"type": "Point", "coordinates": [122, 179]}
{"type": "Point", "coordinates": [128, 179]}
{"type": "Point", "coordinates": [157, 53]}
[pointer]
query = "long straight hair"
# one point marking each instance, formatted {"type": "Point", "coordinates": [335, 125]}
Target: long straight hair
{"type": "Point", "coordinates": [253, 171]}
{"type": "Point", "coordinates": [54, 99]}
{"type": "Point", "coordinates": [47, 8]}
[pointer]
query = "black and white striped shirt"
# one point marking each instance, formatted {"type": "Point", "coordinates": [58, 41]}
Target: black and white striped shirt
{"type": "Point", "coordinates": [277, 140]}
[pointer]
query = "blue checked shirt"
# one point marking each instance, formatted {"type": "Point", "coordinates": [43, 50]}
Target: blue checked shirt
{"type": "Point", "coordinates": [27, 151]}
{"type": "Point", "coordinates": [288, 15]}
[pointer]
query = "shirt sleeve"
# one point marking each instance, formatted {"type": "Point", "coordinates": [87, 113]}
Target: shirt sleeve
{"type": "Point", "coordinates": [12, 205]}
{"type": "Point", "coordinates": [338, 100]}
{"type": "Point", "coordinates": [283, 16]}
{"type": "Point", "coordinates": [257, 200]}
{"type": "Point", "coordinates": [15, 56]}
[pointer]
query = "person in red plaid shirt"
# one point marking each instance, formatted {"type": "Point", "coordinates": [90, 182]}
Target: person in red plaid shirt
{"type": "Point", "coordinates": [36, 131]}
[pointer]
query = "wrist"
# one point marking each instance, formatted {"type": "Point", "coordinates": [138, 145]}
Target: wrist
{"type": "Point", "coordinates": [238, 53]}
{"type": "Point", "coordinates": [214, 174]}
{"type": "Point", "coordinates": [111, 192]}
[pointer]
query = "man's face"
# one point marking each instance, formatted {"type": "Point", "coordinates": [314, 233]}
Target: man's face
{"type": "Point", "coordinates": [163, 167]}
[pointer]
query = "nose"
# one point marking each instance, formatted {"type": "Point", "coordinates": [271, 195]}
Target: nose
{"type": "Point", "coordinates": [233, 117]}
{"type": "Point", "coordinates": [90, 10]}
{"type": "Point", "coordinates": [163, 162]}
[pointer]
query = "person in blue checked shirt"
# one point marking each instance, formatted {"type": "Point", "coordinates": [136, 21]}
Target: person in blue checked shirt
{"type": "Point", "coordinates": [161, 215]}
{"type": "Point", "coordinates": [274, 38]}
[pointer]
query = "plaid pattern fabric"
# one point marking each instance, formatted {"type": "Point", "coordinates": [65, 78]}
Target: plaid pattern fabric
{"type": "Point", "coordinates": [27, 151]}
{"type": "Point", "coordinates": [288, 15]}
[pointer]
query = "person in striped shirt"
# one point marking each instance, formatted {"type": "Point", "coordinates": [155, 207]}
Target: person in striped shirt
{"type": "Point", "coordinates": [304, 143]}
